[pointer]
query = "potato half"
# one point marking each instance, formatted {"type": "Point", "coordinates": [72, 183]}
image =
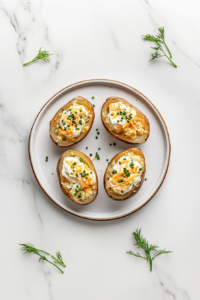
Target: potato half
{"type": "Point", "coordinates": [64, 182]}
{"type": "Point", "coordinates": [56, 134]}
{"type": "Point", "coordinates": [138, 129]}
{"type": "Point", "coordinates": [136, 155]}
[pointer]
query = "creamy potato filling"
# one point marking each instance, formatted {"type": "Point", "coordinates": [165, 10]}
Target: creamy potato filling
{"type": "Point", "coordinates": [120, 115]}
{"type": "Point", "coordinates": [125, 175]}
{"type": "Point", "coordinates": [80, 178]}
{"type": "Point", "coordinates": [123, 119]}
{"type": "Point", "coordinates": [72, 121]}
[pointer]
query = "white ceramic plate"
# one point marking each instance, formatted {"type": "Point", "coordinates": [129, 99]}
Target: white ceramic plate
{"type": "Point", "coordinates": [156, 150]}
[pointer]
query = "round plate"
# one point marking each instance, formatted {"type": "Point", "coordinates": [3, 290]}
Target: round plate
{"type": "Point", "coordinates": [156, 150]}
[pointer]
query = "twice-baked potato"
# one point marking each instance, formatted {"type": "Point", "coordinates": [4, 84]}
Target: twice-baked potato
{"type": "Point", "coordinates": [72, 122]}
{"type": "Point", "coordinates": [124, 121]}
{"type": "Point", "coordinates": [125, 174]}
{"type": "Point", "coordinates": [77, 177]}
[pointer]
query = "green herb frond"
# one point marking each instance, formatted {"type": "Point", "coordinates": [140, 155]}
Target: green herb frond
{"type": "Point", "coordinates": [44, 55]}
{"type": "Point", "coordinates": [137, 254]}
{"type": "Point", "coordinates": [29, 248]}
{"type": "Point", "coordinates": [160, 252]}
{"type": "Point", "coordinates": [59, 259]}
{"type": "Point", "coordinates": [159, 40]}
{"type": "Point", "coordinates": [143, 243]}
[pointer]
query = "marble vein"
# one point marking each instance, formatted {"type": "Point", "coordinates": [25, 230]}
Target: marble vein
{"type": "Point", "coordinates": [24, 32]}
{"type": "Point", "coordinates": [169, 288]}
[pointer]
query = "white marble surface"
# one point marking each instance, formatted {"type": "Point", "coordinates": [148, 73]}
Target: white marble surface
{"type": "Point", "coordinates": [99, 39]}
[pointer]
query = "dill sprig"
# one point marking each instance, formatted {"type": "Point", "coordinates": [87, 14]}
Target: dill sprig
{"type": "Point", "coordinates": [29, 248]}
{"type": "Point", "coordinates": [44, 55]}
{"type": "Point", "coordinates": [59, 259]}
{"type": "Point", "coordinates": [143, 243]}
{"type": "Point", "coordinates": [159, 40]}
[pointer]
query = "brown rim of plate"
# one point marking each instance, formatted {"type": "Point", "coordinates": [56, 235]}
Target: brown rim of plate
{"type": "Point", "coordinates": [126, 214]}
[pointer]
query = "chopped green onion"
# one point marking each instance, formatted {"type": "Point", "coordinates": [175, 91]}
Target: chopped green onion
{"type": "Point", "coordinates": [114, 172]}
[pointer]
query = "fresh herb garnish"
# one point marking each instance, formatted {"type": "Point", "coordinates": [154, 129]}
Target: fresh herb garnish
{"type": "Point", "coordinates": [44, 55]}
{"type": "Point", "coordinates": [93, 97]}
{"type": "Point", "coordinates": [99, 148]}
{"type": "Point", "coordinates": [59, 259]}
{"type": "Point", "coordinates": [47, 158]}
{"type": "Point", "coordinates": [86, 148]}
{"type": "Point", "coordinates": [97, 156]}
{"type": "Point", "coordinates": [114, 172]}
{"type": "Point", "coordinates": [80, 159]}
{"type": "Point", "coordinates": [93, 105]}
{"type": "Point", "coordinates": [142, 243]}
{"type": "Point", "coordinates": [122, 180]}
{"type": "Point", "coordinates": [96, 137]}
{"type": "Point", "coordinates": [145, 179]}
{"type": "Point", "coordinates": [29, 248]}
{"type": "Point", "coordinates": [114, 144]}
{"type": "Point", "coordinates": [159, 40]}
{"type": "Point", "coordinates": [90, 154]}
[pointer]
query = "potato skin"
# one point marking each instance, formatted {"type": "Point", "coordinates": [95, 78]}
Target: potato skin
{"type": "Point", "coordinates": [132, 193]}
{"type": "Point", "coordinates": [87, 161]}
{"type": "Point", "coordinates": [119, 136]}
{"type": "Point", "coordinates": [64, 144]}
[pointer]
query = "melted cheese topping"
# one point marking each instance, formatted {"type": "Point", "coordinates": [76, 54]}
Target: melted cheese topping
{"type": "Point", "coordinates": [125, 175]}
{"type": "Point", "coordinates": [80, 178]}
{"type": "Point", "coordinates": [72, 120]}
{"type": "Point", "coordinates": [120, 115]}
